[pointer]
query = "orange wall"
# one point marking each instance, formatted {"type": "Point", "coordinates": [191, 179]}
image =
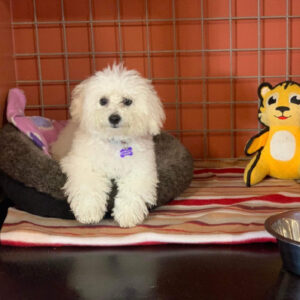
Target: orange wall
{"type": "Point", "coordinates": [7, 74]}
{"type": "Point", "coordinates": [203, 104]}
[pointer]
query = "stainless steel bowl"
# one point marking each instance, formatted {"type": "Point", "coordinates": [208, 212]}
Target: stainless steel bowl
{"type": "Point", "coordinates": [285, 227]}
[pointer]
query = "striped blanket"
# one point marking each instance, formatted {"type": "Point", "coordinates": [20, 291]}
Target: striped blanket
{"type": "Point", "coordinates": [216, 209]}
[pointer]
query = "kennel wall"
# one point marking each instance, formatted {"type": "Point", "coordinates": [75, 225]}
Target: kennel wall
{"type": "Point", "coordinates": [206, 58]}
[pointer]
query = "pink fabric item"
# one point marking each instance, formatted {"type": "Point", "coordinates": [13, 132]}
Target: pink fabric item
{"type": "Point", "coordinates": [42, 131]}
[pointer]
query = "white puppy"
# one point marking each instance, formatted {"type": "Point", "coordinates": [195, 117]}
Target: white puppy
{"type": "Point", "coordinates": [114, 115]}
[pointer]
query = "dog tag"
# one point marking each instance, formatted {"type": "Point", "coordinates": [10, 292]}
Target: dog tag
{"type": "Point", "coordinates": [126, 152]}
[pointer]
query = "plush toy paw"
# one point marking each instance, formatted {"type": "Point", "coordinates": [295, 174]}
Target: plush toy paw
{"type": "Point", "coordinates": [255, 171]}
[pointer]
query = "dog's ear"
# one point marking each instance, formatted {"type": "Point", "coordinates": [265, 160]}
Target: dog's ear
{"type": "Point", "coordinates": [77, 102]}
{"type": "Point", "coordinates": [157, 116]}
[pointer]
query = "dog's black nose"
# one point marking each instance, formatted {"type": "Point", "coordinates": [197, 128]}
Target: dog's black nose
{"type": "Point", "coordinates": [282, 108]}
{"type": "Point", "coordinates": [114, 119]}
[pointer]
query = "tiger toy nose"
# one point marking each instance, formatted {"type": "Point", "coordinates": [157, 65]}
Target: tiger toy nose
{"type": "Point", "coordinates": [282, 108]}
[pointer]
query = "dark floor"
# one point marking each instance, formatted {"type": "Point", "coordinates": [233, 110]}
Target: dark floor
{"type": "Point", "coordinates": [152, 272]}
{"type": "Point", "coordinates": [160, 272]}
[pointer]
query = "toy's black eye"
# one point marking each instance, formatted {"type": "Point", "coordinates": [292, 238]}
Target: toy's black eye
{"type": "Point", "coordinates": [295, 99]}
{"type": "Point", "coordinates": [272, 100]}
{"type": "Point", "coordinates": [127, 101]}
{"type": "Point", "coordinates": [103, 101]}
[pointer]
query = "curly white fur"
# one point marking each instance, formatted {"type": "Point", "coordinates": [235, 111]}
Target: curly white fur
{"type": "Point", "coordinates": [89, 148]}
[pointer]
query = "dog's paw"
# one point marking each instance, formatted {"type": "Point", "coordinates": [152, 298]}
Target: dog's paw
{"type": "Point", "coordinates": [130, 213]}
{"type": "Point", "coordinates": [88, 213]}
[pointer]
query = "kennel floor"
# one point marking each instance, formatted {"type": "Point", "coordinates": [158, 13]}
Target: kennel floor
{"type": "Point", "coordinates": [217, 208]}
{"type": "Point", "coordinates": [248, 271]}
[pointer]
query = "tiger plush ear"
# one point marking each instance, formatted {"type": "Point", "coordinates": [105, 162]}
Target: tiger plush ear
{"type": "Point", "coordinates": [264, 88]}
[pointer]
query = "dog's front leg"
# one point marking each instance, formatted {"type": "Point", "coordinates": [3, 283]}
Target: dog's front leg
{"type": "Point", "coordinates": [135, 192]}
{"type": "Point", "coordinates": [87, 189]}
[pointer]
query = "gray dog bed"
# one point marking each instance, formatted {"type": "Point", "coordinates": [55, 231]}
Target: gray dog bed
{"type": "Point", "coordinates": [33, 181]}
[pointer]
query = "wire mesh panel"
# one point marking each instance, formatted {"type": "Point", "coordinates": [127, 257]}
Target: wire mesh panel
{"type": "Point", "coordinates": [205, 58]}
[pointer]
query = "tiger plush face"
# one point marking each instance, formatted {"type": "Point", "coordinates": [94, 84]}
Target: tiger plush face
{"type": "Point", "coordinates": [279, 105]}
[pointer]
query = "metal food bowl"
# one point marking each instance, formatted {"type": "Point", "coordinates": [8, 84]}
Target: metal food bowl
{"type": "Point", "coordinates": [286, 228]}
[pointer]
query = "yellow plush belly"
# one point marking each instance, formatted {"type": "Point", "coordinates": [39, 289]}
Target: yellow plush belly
{"type": "Point", "coordinates": [282, 154]}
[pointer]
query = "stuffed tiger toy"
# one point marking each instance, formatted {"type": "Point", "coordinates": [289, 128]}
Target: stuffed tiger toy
{"type": "Point", "coordinates": [277, 146]}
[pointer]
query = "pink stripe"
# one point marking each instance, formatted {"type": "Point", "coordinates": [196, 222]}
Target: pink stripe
{"type": "Point", "coordinates": [276, 198]}
{"type": "Point", "coordinates": [121, 232]}
{"type": "Point", "coordinates": [28, 244]}
{"type": "Point", "coordinates": [60, 227]}
{"type": "Point", "coordinates": [148, 243]}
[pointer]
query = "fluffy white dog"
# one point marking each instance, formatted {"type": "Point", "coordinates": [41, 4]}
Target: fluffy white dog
{"type": "Point", "coordinates": [114, 115]}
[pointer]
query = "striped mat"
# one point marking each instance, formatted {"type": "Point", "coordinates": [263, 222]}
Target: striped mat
{"type": "Point", "coordinates": [216, 209]}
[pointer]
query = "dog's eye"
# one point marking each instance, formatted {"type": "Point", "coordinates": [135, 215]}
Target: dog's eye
{"type": "Point", "coordinates": [127, 101]}
{"type": "Point", "coordinates": [103, 101]}
{"type": "Point", "coordinates": [272, 100]}
{"type": "Point", "coordinates": [295, 99]}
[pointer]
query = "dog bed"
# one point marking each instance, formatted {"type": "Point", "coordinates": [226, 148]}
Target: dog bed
{"type": "Point", "coordinates": [33, 181]}
{"type": "Point", "coordinates": [217, 208]}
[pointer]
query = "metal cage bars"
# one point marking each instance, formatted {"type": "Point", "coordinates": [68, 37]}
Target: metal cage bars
{"type": "Point", "coordinates": [91, 22]}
